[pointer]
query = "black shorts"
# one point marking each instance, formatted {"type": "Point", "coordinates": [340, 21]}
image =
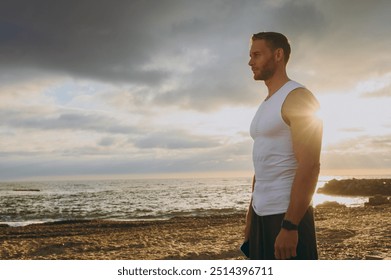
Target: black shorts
{"type": "Point", "coordinates": [264, 231]}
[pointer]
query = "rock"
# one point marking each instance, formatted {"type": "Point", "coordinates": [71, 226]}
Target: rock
{"type": "Point", "coordinates": [377, 200]}
{"type": "Point", "coordinates": [357, 187]}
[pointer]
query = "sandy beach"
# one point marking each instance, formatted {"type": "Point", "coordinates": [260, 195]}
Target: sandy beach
{"type": "Point", "coordinates": [343, 233]}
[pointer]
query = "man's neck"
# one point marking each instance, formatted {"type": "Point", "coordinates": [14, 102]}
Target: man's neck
{"type": "Point", "coordinates": [275, 83]}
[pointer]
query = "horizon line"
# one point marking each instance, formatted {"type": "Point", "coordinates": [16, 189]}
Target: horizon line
{"type": "Point", "coordinates": [192, 175]}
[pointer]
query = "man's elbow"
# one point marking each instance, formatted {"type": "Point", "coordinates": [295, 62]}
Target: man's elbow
{"type": "Point", "coordinates": [311, 169]}
{"type": "Point", "coordinates": [315, 168]}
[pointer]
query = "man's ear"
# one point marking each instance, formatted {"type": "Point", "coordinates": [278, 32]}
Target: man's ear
{"type": "Point", "coordinates": [279, 54]}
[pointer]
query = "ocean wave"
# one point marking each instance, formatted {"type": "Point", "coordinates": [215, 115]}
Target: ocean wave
{"type": "Point", "coordinates": [124, 200]}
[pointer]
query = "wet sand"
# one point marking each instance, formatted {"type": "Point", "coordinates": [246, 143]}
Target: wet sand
{"type": "Point", "coordinates": [342, 232]}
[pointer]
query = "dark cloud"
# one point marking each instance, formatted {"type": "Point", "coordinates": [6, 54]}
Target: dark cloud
{"type": "Point", "coordinates": [76, 163]}
{"type": "Point", "coordinates": [214, 85]}
{"type": "Point", "coordinates": [107, 141]}
{"type": "Point", "coordinates": [300, 19]}
{"type": "Point", "coordinates": [115, 42]}
{"type": "Point", "coordinates": [363, 152]}
{"type": "Point", "coordinates": [65, 120]}
{"type": "Point", "coordinates": [95, 39]}
{"type": "Point", "coordinates": [174, 140]}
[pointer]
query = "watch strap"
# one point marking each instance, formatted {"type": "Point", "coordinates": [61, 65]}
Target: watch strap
{"type": "Point", "coordinates": [288, 225]}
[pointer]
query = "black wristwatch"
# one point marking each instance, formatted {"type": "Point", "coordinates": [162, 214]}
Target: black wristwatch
{"type": "Point", "coordinates": [288, 225]}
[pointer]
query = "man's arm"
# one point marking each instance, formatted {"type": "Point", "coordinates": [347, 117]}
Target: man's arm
{"type": "Point", "coordinates": [248, 215]}
{"type": "Point", "coordinates": [299, 111]}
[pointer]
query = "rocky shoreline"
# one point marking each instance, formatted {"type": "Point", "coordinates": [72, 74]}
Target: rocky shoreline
{"type": "Point", "coordinates": [343, 233]}
{"type": "Point", "coordinates": [357, 187]}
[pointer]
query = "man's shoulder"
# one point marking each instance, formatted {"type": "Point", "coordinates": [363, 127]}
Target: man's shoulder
{"type": "Point", "coordinates": [300, 97]}
{"type": "Point", "coordinates": [300, 102]}
{"type": "Point", "coordinates": [301, 92]}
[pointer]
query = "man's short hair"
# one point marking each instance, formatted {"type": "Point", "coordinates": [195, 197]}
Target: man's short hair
{"type": "Point", "coordinates": [275, 41]}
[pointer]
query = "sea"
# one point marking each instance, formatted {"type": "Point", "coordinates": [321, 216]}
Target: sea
{"type": "Point", "coordinates": [23, 203]}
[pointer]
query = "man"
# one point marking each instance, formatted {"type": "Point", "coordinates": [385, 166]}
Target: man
{"type": "Point", "coordinates": [286, 154]}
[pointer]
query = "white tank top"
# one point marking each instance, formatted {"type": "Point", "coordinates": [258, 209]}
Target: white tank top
{"type": "Point", "coordinates": [274, 161]}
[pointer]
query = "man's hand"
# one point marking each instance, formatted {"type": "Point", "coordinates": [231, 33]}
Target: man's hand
{"type": "Point", "coordinates": [286, 244]}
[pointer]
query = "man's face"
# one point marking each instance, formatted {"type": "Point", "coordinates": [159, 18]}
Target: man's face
{"type": "Point", "coordinates": [261, 60]}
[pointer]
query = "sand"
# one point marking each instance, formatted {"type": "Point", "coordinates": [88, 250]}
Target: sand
{"type": "Point", "coordinates": [343, 233]}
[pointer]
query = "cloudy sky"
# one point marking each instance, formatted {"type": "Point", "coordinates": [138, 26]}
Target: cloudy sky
{"type": "Point", "coordinates": [162, 88]}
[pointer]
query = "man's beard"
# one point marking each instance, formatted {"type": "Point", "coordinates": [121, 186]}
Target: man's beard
{"type": "Point", "coordinates": [267, 71]}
